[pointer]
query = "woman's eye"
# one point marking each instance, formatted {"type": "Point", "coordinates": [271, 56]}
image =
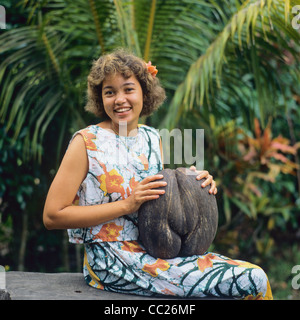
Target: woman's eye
{"type": "Point", "coordinates": [108, 93]}
{"type": "Point", "coordinates": [129, 89]}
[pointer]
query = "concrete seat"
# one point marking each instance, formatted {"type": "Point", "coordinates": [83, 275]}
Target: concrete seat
{"type": "Point", "coordinates": [63, 286]}
{"type": "Point", "coordinates": [56, 286]}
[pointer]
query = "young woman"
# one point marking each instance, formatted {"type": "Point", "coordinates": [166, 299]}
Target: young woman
{"type": "Point", "coordinates": [109, 170]}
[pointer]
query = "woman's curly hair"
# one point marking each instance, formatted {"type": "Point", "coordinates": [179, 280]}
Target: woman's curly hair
{"type": "Point", "coordinates": [127, 64]}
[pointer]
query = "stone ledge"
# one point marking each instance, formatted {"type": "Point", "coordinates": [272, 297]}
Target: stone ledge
{"type": "Point", "coordinates": [56, 286]}
{"type": "Point", "coordinates": [60, 286]}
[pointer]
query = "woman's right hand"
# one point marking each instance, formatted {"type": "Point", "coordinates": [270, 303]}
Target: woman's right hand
{"type": "Point", "coordinates": [145, 191]}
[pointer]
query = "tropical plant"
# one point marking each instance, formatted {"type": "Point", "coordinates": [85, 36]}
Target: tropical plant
{"type": "Point", "coordinates": [45, 64]}
{"type": "Point", "coordinates": [255, 46]}
{"type": "Point", "coordinates": [255, 159]}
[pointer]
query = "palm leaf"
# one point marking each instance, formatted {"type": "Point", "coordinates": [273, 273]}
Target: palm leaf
{"type": "Point", "coordinates": [252, 18]}
{"type": "Point", "coordinates": [39, 72]}
{"type": "Point", "coordinates": [150, 30]}
{"type": "Point", "coordinates": [54, 51]}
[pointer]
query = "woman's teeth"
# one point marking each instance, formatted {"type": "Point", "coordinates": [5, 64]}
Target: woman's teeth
{"type": "Point", "coordinates": [122, 110]}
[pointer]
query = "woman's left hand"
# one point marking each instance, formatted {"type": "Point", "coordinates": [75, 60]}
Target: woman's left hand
{"type": "Point", "coordinates": [209, 179]}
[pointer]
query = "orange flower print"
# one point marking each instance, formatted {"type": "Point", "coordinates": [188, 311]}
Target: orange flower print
{"type": "Point", "coordinates": [88, 137]}
{"type": "Point", "coordinates": [159, 264]}
{"type": "Point", "coordinates": [205, 262]}
{"type": "Point", "coordinates": [111, 181]}
{"type": "Point", "coordinates": [132, 246]}
{"type": "Point", "coordinates": [133, 183]}
{"type": "Point", "coordinates": [144, 161]}
{"type": "Point", "coordinates": [168, 292]}
{"type": "Point", "coordinates": [258, 297]}
{"type": "Point", "coordinates": [109, 232]}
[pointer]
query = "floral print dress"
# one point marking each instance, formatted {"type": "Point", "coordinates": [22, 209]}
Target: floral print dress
{"type": "Point", "coordinates": [115, 260]}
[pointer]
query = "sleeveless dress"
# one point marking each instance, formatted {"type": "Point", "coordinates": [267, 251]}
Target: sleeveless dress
{"type": "Point", "coordinates": [114, 258]}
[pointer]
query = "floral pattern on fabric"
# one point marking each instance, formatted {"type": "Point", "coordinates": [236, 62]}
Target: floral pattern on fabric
{"type": "Point", "coordinates": [125, 267]}
{"type": "Point", "coordinates": [116, 261]}
{"type": "Point", "coordinates": [116, 165]}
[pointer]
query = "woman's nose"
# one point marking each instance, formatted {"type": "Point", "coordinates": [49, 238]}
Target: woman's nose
{"type": "Point", "coordinates": [120, 99]}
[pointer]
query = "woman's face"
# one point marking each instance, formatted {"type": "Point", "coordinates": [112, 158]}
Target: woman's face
{"type": "Point", "coordinates": [122, 99]}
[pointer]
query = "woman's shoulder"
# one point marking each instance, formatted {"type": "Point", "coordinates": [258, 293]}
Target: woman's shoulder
{"type": "Point", "coordinates": [89, 135]}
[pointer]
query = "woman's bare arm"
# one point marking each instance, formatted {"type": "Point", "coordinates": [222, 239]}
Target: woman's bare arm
{"type": "Point", "coordinates": [60, 213]}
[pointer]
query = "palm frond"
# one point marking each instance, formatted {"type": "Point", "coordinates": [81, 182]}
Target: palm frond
{"type": "Point", "coordinates": [41, 70]}
{"type": "Point", "coordinates": [194, 43]}
{"type": "Point", "coordinates": [150, 30]}
{"type": "Point", "coordinates": [126, 23]}
{"type": "Point", "coordinates": [97, 24]}
{"type": "Point", "coordinates": [255, 20]}
{"type": "Point", "coordinates": [50, 53]}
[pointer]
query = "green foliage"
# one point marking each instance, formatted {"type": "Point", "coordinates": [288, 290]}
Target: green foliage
{"type": "Point", "coordinates": [280, 264]}
{"type": "Point", "coordinates": [223, 64]}
{"type": "Point", "coordinates": [16, 181]}
{"type": "Point", "coordinates": [16, 191]}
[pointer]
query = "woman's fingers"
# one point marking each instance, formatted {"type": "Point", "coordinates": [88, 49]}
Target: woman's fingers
{"type": "Point", "coordinates": [151, 182]}
{"type": "Point", "coordinates": [157, 184]}
{"type": "Point", "coordinates": [213, 189]}
{"type": "Point", "coordinates": [202, 174]}
{"type": "Point", "coordinates": [151, 178]}
{"type": "Point", "coordinates": [146, 189]}
{"type": "Point", "coordinates": [151, 192]}
{"type": "Point", "coordinates": [209, 179]}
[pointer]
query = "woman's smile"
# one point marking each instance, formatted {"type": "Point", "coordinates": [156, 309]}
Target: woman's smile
{"type": "Point", "coordinates": [121, 110]}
